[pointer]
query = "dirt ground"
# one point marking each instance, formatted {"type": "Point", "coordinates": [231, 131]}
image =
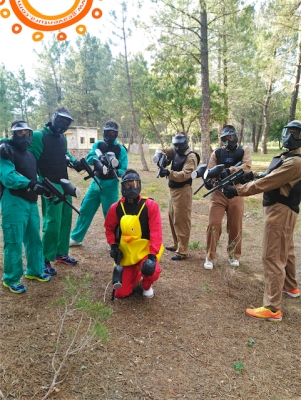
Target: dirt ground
{"type": "Point", "coordinates": [192, 341]}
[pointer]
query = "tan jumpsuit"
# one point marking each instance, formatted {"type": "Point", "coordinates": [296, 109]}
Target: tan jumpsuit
{"type": "Point", "coordinates": [279, 223]}
{"type": "Point", "coordinates": [180, 203]}
{"type": "Point", "coordinates": [234, 208]}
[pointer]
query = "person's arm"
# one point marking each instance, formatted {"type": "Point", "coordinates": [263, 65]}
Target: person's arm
{"type": "Point", "coordinates": [36, 146]}
{"type": "Point", "coordinates": [123, 161]}
{"type": "Point", "coordinates": [155, 226]}
{"type": "Point", "coordinates": [10, 178]}
{"type": "Point", "coordinates": [110, 224]}
{"type": "Point", "coordinates": [287, 174]}
{"type": "Point", "coordinates": [189, 166]}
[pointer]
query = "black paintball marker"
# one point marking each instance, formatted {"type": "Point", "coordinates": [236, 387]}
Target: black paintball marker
{"type": "Point", "coordinates": [91, 173]}
{"type": "Point", "coordinates": [109, 160]}
{"type": "Point", "coordinates": [199, 173]}
{"type": "Point", "coordinates": [221, 180]}
{"type": "Point", "coordinates": [68, 189]}
{"type": "Point", "coordinates": [117, 276]}
{"type": "Point", "coordinates": [161, 160]}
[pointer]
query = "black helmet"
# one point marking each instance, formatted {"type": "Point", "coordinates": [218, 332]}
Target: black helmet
{"type": "Point", "coordinates": [130, 184]}
{"type": "Point", "coordinates": [229, 130]}
{"type": "Point", "coordinates": [180, 143]}
{"type": "Point", "coordinates": [61, 120]}
{"type": "Point", "coordinates": [110, 132]}
{"type": "Point", "coordinates": [21, 134]}
{"type": "Point", "coordinates": [291, 135]}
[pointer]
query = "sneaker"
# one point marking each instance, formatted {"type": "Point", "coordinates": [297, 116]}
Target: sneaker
{"type": "Point", "coordinates": [208, 264]}
{"type": "Point", "coordinates": [65, 259]}
{"type": "Point", "coordinates": [40, 278]}
{"type": "Point", "coordinates": [74, 243]}
{"type": "Point", "coordinates": [48, 269]}
{"type": "Point", "coordinates": [18, 288]}
{"type": "Point", "coordinates": [292, 293]}
{"type": "Point", "coordinates": [264, 314]}
{"type": "Point", "coordinates": [148, 293]}
{"type": "Point", "coordinates": [233, 262]}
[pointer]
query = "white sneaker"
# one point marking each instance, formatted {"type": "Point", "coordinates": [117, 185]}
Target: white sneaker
{"type": "Point", "coordinates": [74, 243]}
{"type": "Point", "coordinates": [233, 262]}
{"type": "Point", "coordinates": [208, 264]}
{"type": "Point", "coordinates": [148, 293]}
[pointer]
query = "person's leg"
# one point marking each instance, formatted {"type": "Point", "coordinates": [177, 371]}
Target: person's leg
{"type": "Point", "coordinates": [52, 216]}
{"type": "Point", "coordinates": [109, 196]}
{"type": "Point", "coordinates": [88, 208]}
{"type": "Point", "coordinates": [14, 221]}
{"type": "Point", "coordinates": [171, 218]}
{"type": "Point", "coordinates": [279, 223]}
{"type": "Point", "coordinates": [290, 282]}
{"type": "Point", "coordinates": [217, 209]}
{"type": "Point", "coordinates": [65, 229]}
{"type": "Point", "coordinates": [131, 275]}
{"type": "Point", "coordinates": [33, 244]}
{"type": "Point", "coordinates": [235, 211]}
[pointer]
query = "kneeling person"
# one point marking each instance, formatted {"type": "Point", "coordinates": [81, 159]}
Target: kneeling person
{"type": "Point", "coordinates": [134, 232]}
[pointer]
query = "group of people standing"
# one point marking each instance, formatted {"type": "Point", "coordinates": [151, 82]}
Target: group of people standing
{"type": "Point", "coordinates": [133, 223]}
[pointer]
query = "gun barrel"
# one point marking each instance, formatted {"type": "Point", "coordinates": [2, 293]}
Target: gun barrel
{"type": "Point", "coordinates": [90, 173]}
{"type": "Point", "coordinates": [226, 181]}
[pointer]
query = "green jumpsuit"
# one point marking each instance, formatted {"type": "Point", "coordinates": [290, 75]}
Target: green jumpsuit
{"type": "Point", "coordinates": [95, 196]}
{"type": "Point", "coordinates": [20, 224]}
{"type": "Point", "coordinates": [57, 218]}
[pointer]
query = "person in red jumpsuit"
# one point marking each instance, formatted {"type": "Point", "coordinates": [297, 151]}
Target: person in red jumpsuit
{"type": "Point", "coordinates": [134, 232]}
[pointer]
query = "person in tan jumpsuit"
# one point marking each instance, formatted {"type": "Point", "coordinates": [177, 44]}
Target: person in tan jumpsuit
{"type": "Point", "coordinates": [229, 155]}
{"type": "Point", "coordinates": [282, 188]}
{"type": "Point", "coordinates": [184, 162]}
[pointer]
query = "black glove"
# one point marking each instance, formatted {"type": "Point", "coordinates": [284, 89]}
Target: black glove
{"type": "Point", "coordinates": [103, 147]}
{"type": "Point", "coordinates": [208, 184]}
{"type": "Point", "coordinates": [78, 166]}
{"type": "Point", "coordinates": [37, 187]}
{"type": "Point", "coordinates": [6, 151]}
{"type": "Point", "coordinates": [149, 265]}
{"type": "Point", "coordinates": [230, 192]}
{"type": "Point", "coordinates": [116, 253]}
{"type": "Point", "coordinates": [246, 177]}
{"type": "Point", "coordinates": [225, 172]}
{"type": "Point", "coordinates": [164, 172]}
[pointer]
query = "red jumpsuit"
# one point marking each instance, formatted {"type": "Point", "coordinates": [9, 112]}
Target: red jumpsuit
{"type": "Point", "coordinates": [149, 243]}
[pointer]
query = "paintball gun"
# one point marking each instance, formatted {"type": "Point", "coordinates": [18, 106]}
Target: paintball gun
{"type": "Point", "coordinates": [90, 172]}
{"type": "Point", "coordinates": [117, 276]}
{"type": "Point", "coordinates": [199, 173]}
{"type": "Point", "coordinates": [161, 160]}
{"type": "Point", "coordinates": [68, 189]}
{"type": "Point", "coordinates": [109, 160]}
{"type": "Point", "coordinates": [222, 180]}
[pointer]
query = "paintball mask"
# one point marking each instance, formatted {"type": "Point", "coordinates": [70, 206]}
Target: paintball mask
{"type": "Point", "coordinates": [291, 135]}
{"type": "Point", "coordinates": [61, 120]}
{"type": "Point", "coordinates": [131, 185]}
{"type": "Point", "coordinates": [110, 132]}
{"type": "Point", "coordinates": [21, 135]}
{"type": "Point", "coordinates": [229, 137]}
{"type": "Point", "coordinates": [180, 143]}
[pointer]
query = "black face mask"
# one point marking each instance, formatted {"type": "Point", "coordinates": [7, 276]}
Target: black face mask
{"type": "Point", "coordinates": [109, 138]}
{"type": "Point", "coordinates": [60, 123]}
{"type": "Point", "coordinates": [21, 142]}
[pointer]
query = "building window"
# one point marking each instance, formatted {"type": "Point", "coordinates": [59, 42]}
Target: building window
{"type": "Point", "coordinates": [82, 140]}
{"type": "Point", "coordinates": [92, 140]}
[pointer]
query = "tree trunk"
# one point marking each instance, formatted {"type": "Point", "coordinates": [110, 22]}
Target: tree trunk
{"type": "Point", "coordinates": [257, 138]}
{"type": "Point", "coordinates": [266, 121]}
{"type": "Point", "coordinates": [205, 118]}
{"type": "Point", "coordinates": [253, 136]}
{"type": "Point", "coordinates": [241, 132]}
{"type": "Point", "coordinates": [295, 93]}
{"type": "Point", "coordinates": [130, 93]}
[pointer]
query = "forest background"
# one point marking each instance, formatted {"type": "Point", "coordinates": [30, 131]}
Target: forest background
{"type": "Point", "coordinates": [207, 63]}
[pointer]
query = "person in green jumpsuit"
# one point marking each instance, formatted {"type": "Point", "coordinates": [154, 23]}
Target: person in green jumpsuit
{"type": "Point", "coordinates": [109, 182]}
{"type": "Point", "coordinates": [20, 214]}
{"type": "Point", "coordinates": [49, 146]}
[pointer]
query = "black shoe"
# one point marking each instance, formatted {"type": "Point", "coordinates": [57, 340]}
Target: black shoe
{"type": "Point", "coordinates": [170, 248]}
{"type": "Point", "coordinates": [176, 257]}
